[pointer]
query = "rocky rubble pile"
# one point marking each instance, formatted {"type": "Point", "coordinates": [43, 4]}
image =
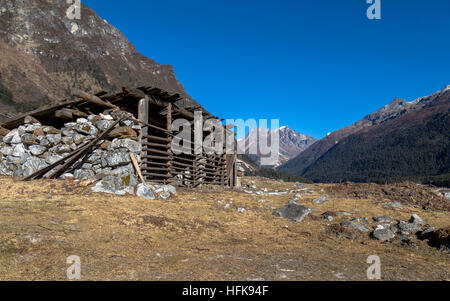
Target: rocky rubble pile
{"type": "Point", "coordinates": [380, 228]}
{"type": "Point", "coordinates": [33, 146]}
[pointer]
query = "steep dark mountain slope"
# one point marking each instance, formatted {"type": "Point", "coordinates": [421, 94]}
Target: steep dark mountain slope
{"type": "Point", "coordinates": [411, 145]}
{"type": "Point", "coordinates": [43, 55]}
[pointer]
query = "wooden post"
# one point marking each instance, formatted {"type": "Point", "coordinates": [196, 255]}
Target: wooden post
{"type": "Point", "coordinates": [169, 145]}
{"type": "Point", "coordinates": [143, 116]}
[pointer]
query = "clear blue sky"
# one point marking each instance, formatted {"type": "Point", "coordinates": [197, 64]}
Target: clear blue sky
{"type": "Point", "coordinates": [317, 65]}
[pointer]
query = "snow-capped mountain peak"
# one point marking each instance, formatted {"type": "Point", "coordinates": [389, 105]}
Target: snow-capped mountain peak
{"type": "Point", "coordinates": [291, 143]}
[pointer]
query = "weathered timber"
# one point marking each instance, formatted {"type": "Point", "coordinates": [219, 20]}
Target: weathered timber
{"type": "Point", "coordinates": [156, 151]}
{"type": "Point", "coordinates": [93, 99]}
{"type": "Point", "coordinates": [136, 166]}
{"type": "Point", "coordinates": [157, 138]}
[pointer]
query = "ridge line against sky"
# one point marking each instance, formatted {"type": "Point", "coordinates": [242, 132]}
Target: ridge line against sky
{"type": "Point", "coordinates": [318, 66]}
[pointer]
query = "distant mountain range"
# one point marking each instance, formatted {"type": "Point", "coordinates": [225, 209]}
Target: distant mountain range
{"type": "Point", "coordinates": [401, 141]}
{"type": "Point", "coordinates": [291, 144]}
{"type": "Point", "coordinates": [44, 55]}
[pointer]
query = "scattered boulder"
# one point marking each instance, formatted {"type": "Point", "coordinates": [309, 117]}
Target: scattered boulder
{"type": "Point", "coordinates": [395, 205]}
{"type": "Point", "coordinates": [383, 219]}
{"type": "Point", "coordinates": [145, 191]}
{"type": "Point", "coordinates": [415, 219]}
{"type": "Point", "coordinates": [383, 234]}
{"type": "Point", "coordinates": [321, 200]}
{"type": "Point", "coordinates": [355, 225]}
{"type": "Point", "coordinates": [409, 227]}
{"type": "Point", "coordinates": [293, 211]}
{"type": "Point", "coordinates": [120, 184]}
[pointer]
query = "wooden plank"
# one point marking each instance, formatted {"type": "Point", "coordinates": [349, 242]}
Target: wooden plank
{"type": "Point", "coordinates": [155, 157]}
{"type": "Point", "coordinates": [169, 130]}
{"type": "Point", "coordinates": [156, 138]}
{"type": "Point", "coordinates": [136, 166]}
{"type": "Point", "coordinates": [155, 151]}
{"type": "Point", "coordinates": [143, 116]}
{"type": "Point", "coordinates": [93, 99]}
{"type": "Point", "coordinates": [155, 144]}
{"type": "Point", "coordinates": [156, 168]}
{"type": "Point", "coordinates": [156, 175]}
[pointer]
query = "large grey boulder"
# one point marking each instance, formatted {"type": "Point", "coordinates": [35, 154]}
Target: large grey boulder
{"type": "Point", "coordinates": [383, 234]}
{"type": "Point", "coordinates": [409, 227]}
{"type": "Point", "coordinates": [293, 211]}
{"type": "Point", "coordinates": [120, 183]}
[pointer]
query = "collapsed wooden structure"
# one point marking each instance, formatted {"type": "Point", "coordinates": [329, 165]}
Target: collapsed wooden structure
{"type": "Point", "coordinates": [155, 109]}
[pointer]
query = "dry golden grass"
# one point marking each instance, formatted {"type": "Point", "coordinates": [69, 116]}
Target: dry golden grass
{"type": "Point", "coordinates": [192, 236]}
